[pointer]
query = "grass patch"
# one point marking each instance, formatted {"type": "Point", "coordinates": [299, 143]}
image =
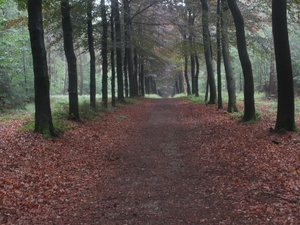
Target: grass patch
{"type": "Point", "coordinates": [237, 115]}
{"type": "Point", "coordinates": [181, 95]}
{"type": "Point", "coordinates": [152, 96]}
{"type": "Point", "coordinates": [89, 113]}
{"type": "Point", "coordinates": [195, 99]}
{"type": "Point", "coordinates": [131, 101]}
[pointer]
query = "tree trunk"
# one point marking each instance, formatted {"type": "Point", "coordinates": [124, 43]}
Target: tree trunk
{"type": "Point", "coordinates": [126, 73]}
{"type": "Point", "coordinates": [80, 73]}
{"type": "Point", "coordinates": [232, 106]}
{"type": "Point", "coordinates": [285, 108]}
{"type": "Point", "coordinates": [92, 55]}
{"type": "Point", "coordinates": [112, 59]}
{"type": "Point", "coordinates": [128, 48]}
{"type": "Point", "coordinates": [43, 116]}
{"type": "Point", "coordinates": [196, 76]}
{"type": "Point", "coordinates": [71, 59]}
{"type": "Point", "coordinates": [135, 60]}
{"type": "Point", "coordinates": [193, 73]}
{"type": "Point", "coordinates": [188, 87]}
{"type": "Point", "coordinates": [120, 81]}
{"type": "Point", "coordinates": [104, 52]}
{"type": "Point", "coordinates": [208, 53]}
{"type": "Point", "coordinates": [206, 90]}
{"type": "Point", "coordinates": [180, 83]}
{"type": "Point", "coordinates": [219, 59]}
{"type": "Point", "coordinates": [142, 77]}
{"type": "Point", "coordinates": [249, 112]}
{"type": "Point", "coordinates": [191, 20]}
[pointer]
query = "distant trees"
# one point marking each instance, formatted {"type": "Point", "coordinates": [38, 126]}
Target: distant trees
{"type": "Point", "coordinates": [142, 51]}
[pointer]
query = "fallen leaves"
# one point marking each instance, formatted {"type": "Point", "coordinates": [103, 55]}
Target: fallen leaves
{"type": "Point", "coordinates": [252, 172]}
{"type": "Point", "coordinates": [261, 168]}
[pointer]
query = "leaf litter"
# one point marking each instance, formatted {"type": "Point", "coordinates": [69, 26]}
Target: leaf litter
{"type": "Point", "coordinates": [231, 172]}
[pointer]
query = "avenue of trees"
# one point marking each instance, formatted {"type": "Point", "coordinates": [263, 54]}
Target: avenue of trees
{"type": "Point", "coordinates": [117, 49]}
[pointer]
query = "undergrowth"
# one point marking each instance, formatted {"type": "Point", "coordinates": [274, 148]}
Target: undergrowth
{"type": "Point", "coordinates": [194, 99]}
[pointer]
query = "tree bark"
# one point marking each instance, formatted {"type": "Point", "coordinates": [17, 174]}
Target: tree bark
{"type": "Point", "coordinates": [43, 116]}
{"type": "Point", "coordinates": [80, 73]}
{"type": "Point", "coordinates": [219, 59]}
{"type": "Point", "coordinates": [249, 111]}
{"type": "Point", "coordinates": [120, 81]}
{"type": "Point", "coordinates": [128, 48]}
{"type": "Point", "coordinates": [112, 59]}
{"type": "Point", "coordinates": [104, 52]}
{"type": "Point", "coordinates": [197, 65]}
{"type": "Point", "coordinates": [208, 54]}
{"type": "Point", "coordinates": [231, 89]}
{"type": "Point", "coordinates": [188, 87]}
{"type": "Point", "coordinates": [192, 58]}
{"type": "Point", "coordinates": [71, 59]}
{"type": "Point", "coordinates": [135, 60]}
{"type": "Point", "coordinates": [285, 108]}
{"type": "Point", "coordinates": [142, 77]}
{"type": "Point", "coordinates": [92, 55]}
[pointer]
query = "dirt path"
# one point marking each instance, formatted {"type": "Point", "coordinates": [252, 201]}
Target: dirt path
{"type": "Point", "coordinates": [164, 161]}
{"type": "Point", "coordinates": [155, 182]}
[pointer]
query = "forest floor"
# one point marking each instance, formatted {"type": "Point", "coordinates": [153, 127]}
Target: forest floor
{"type": "Point", "coordinates": [164, 161]}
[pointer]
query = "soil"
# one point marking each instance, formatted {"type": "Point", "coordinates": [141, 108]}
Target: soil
{"type": "Point", "coordinates": [155, 181]}
{"type": "Point", "coordinates": [164, 161]}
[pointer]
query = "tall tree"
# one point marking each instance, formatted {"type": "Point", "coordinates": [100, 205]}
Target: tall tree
{"type": "Point", "coordinates": [120, 81]}
{"type": "Point", "coordinates": [43, 116]}
{"type": "Point", "coordinates": [188, 87]}
{"type": "Point", "coordinates": [112, 57]}
{"type": "Point", "coordinates": [128, 49]}
{"type": "Point", "coordinates": [71, 59]}
{"type": "Point", "coordinates": [285, 108]}
{"type": "Point", "coordinates": [249, 106]}
{"type": "Point", "coordinates": [219, 59]}
{"type": "Point", "coordinates": [89, 4]}
{"type": "Point", "coordinates": [232, 106]}
{"type": "Point", "coordinates": [104, 52]}
{"type": "Point", "coordinates": [208, 53]}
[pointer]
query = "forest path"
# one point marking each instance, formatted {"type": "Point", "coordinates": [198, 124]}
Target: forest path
{"type": "Point", "coordinates": [155, 182]}
{"type": "Point", "coordinates": [165, 161]}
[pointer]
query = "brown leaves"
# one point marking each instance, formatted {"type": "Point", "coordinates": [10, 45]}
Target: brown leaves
{"type": "Point", "coordinates": [50, 180]}
{"type": "Point", "coordinates": [254, 174]}
{"type": "Point", "coordinates": [261, 168]}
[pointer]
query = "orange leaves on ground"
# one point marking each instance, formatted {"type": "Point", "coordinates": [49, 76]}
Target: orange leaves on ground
{"type": "Point", "coordinates": [260, 168]}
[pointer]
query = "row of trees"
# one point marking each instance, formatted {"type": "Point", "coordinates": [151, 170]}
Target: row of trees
{"type": "Point", "coordinates": [285, 113]}
{"type": "Point", "coordinates": [134, 42]}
